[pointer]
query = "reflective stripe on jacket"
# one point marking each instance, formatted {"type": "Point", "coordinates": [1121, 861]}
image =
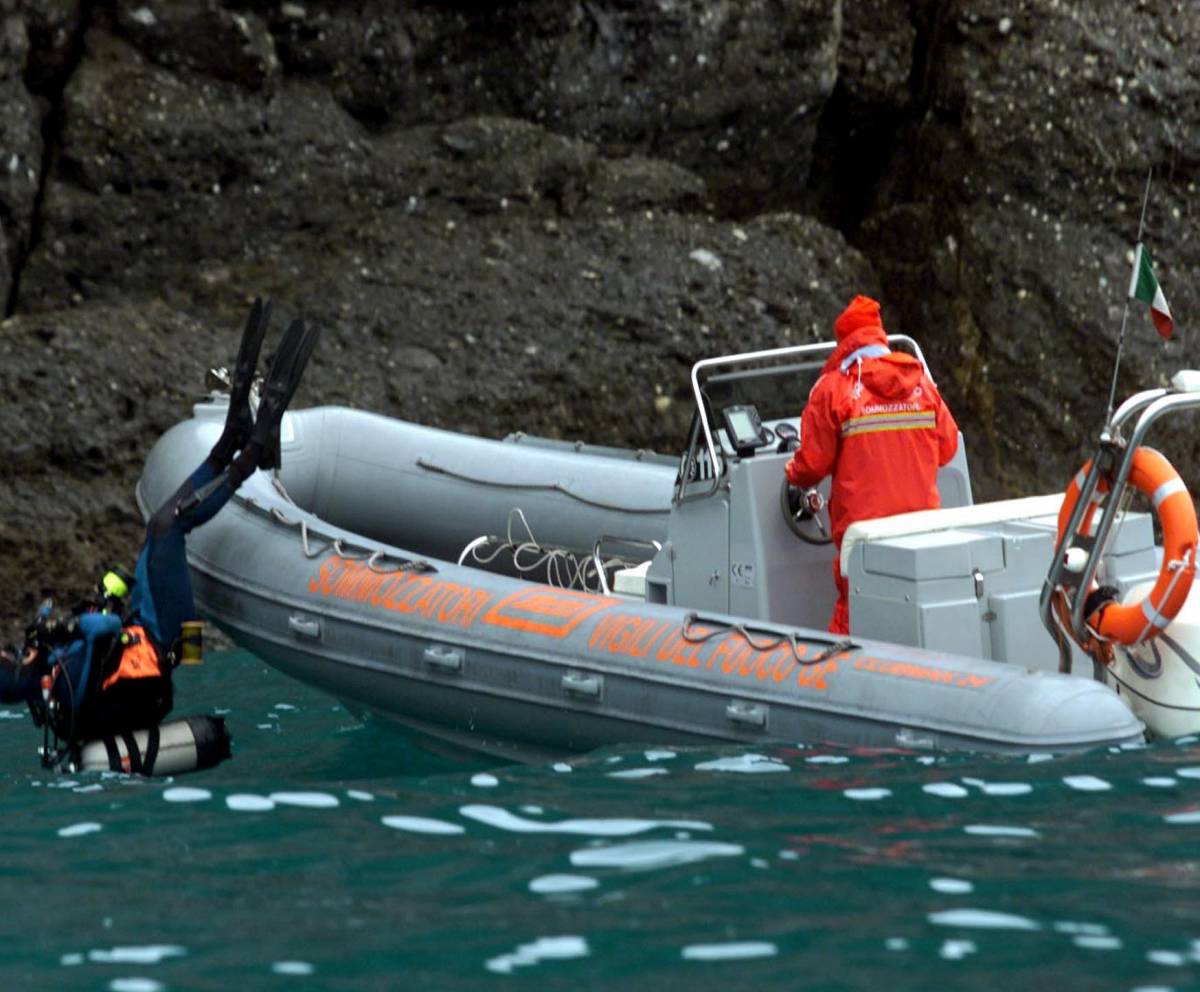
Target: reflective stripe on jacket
{"type": "Point", "coordinates": [877, 425]}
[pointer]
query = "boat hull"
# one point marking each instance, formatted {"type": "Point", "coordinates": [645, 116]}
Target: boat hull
{"type": "Point", "coordinates": [511, 667]}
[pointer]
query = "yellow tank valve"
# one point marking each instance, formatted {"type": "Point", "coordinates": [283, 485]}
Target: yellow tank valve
{"type": "Point", "coordinates": [192, 643]}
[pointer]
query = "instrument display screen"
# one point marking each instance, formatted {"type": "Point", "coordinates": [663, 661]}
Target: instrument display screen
{"type": "Point", "coordinates": [744, 427]}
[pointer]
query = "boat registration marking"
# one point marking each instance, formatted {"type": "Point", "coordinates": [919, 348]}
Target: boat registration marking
{"type": "Point", "coordinates": [443, 602]}
{"type": "Point", "coordinates": [922, 673]}
{"type": "Point", "coordinates": [544, 610]}
{"type": "Point", "coordinates": [710, 648]}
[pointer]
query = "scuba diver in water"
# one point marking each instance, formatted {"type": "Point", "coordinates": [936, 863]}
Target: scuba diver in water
{"type": "Point", "coordinates": [106, 669]}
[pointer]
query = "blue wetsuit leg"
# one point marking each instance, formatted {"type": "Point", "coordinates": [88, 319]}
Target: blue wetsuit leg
{"type": "Point", "coordinates": [162, 596]}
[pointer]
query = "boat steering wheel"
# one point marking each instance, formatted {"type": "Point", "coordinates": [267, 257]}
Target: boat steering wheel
{"type": "Point", "coordinates": [810, 525]}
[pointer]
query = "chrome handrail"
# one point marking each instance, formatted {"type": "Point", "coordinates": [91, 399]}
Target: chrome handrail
{"type": "Point", "coordinates": [1118, 452]}
{"type": "Point", "coordinates": [815, 348]}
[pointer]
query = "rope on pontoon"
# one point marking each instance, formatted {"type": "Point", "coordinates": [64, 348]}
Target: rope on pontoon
{"type": "Point", "coordinates": [564, 568]}
{"type": "Point", "coordinates": [376, 559]}
{"type": "Point", "coordinates": [790, 638]}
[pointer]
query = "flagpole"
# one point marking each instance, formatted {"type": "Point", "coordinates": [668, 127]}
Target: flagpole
{"type": "Point", "coordinates": [1112, 393]}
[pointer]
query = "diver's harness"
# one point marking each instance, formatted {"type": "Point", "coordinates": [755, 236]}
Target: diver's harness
{"type": "Point", "coordinates": [104, 673]}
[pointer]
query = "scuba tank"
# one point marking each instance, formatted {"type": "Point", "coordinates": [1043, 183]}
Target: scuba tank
{"type": "Point", "coordinates": [188, 744]}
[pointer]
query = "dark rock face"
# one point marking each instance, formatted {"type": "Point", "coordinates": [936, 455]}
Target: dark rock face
{"type": "Point", "coordinates": [537, 214]}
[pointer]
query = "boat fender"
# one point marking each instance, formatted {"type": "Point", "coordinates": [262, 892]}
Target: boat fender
{"type": "Point", "coordinates": [1153, 476]}
{"type": "Point", "coordinates": [185, 745]}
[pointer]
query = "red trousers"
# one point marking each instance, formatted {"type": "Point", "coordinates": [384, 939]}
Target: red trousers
{"type": "Point", "coordinates": [840, 622]}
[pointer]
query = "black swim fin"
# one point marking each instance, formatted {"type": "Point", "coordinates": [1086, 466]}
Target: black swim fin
{"type": "Point", "coordinates": [280, 386]}
{"type": "Point", "coordinates": [238, 421]}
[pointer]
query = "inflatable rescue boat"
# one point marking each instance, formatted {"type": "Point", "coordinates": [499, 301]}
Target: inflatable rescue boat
{"type": "Point", "coordinates": [531, 597]}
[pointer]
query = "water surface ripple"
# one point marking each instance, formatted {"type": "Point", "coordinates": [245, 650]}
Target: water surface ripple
{"type": "Point", "coordinates": [330, 854]}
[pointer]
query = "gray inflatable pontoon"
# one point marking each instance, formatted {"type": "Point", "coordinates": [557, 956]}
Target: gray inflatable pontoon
{"type": "Point", "coordinates": [532, 597]}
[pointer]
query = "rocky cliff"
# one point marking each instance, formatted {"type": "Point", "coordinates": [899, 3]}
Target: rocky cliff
{"type": "Point", "coordinates": [536, 214]}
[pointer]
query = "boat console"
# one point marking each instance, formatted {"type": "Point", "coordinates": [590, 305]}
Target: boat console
{"type": "Point", "coordinates": [964, 578]}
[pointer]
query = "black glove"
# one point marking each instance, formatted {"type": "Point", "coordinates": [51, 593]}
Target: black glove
{"type": "Point", "coordinates": [795, 500]}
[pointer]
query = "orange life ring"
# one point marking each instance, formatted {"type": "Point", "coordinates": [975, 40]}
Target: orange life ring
{"type": "Point", "coordinates": [1152, 475]}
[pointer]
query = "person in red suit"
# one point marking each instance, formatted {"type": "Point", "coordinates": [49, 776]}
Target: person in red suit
{"type": "Point", "coordinates": [876, 423]}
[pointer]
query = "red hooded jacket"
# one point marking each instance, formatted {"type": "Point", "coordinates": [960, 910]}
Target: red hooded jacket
{"type": "Point", "coordinates": [876, 423]}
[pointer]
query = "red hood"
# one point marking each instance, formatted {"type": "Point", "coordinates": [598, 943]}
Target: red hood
{"type": "Point", "coordinates": [852, 342]}
{"type": "Point", "coordinates": [894, 376]}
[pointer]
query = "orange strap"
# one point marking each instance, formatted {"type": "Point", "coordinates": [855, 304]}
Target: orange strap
{"type": "Point", "coordinates": [139, 659]}
{"type": "Point", "coordinates": [1152, 475]}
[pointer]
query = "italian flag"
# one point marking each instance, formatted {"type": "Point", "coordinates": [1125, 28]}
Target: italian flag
{"type": "Point", "coordinates": [1143, 286]}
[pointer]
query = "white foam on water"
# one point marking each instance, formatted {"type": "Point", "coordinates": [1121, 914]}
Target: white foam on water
{"type": "Point", "coordinates": [866, 794]}
{"type": "Point", "coordinates": [1037, 757]}
{"type": "Point", "coordinates": [360, 795]}
{"type": "Point", "coordinates": [543, 949]}
{"type": "Point", "coordinates": [135, 985]}
{"type": "Point", "coordinates": [247, 802]}
{"type": "Point", "coordinates": [982, 919]}
{"type": "Point", "coordinates": [66, 783]}
{"type": "Point", "coordinates": [896, 944]}
{"type": "Point", "coordinates": [484, 780]}
{"type": "Point", "coordinates": [997, 830]}
{"type": "Point", "coordinates": [746, 763]}
{"type": "Point", "coordinates": [956, 950]}
{"type": "Point", "coordinates": [561, 767]}
{"type": "Point", "coordinates": [94, 787]}
{"type": "Point", "coordinates": [502, 819]}
{"type": "Point", "coordinates": [1086, 783]}
{"type": "Point", "coordinates": [311, 800]}
{"type": "Point", "coordinates": [1006, 788]}
{"type": "Point", "coordinates": [532, 810]}
{"type": "Point", "coordinates": [951, 886]}
{"type": "Point", "coordinates": [1000, 788]}
{"type": "Point", "coordinates": [1160, 781]}
{"type": "Point", "coordinates": [266, 726]}
{"type": "Point", "coordinates": [292, 968]}
{"type": "Point", "coordinates": [647, 855]}
{"type": "Point", "coordinates": [422, 825]}
{"type": "Point", "coordinates": [637, 773]}
{"type": "Point", "coordinates": [11, 715]}
{"type": "Point", "coordinates": [285, 706]}
{"type": "Point", "coordinates": [186, 794]}
{"type": "Point", "coordinates": [147, 954]}
{"type": "Point", "coordinates": [79, 829]}
{"type": "Point", "coordinates": [659, 755]}
{"type": "Point", "coordinates": [1183, 819]}
{"type": "Point", "coordinates": [1170, 959]}
{"type": "Point", "coordinates": [827, 759]}
{"type": "Point", "coordinates": [740, 950]}
{"type": "Point", "coordinates": [947, 790]}
{"type": "Point", "coordinates": [1077, 926]}
{"type": "Point", "coordinates": [557, 884]}
{"type": "Point", "coordinates": [72, 959]}
{"type": "Point", "coordinates": [1192, 771]}
{"type": "Point", "coordinates": [1096, 942]}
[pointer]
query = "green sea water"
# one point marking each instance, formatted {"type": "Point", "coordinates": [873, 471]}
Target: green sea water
{"type": "Point", "coordinates": [331, 854]}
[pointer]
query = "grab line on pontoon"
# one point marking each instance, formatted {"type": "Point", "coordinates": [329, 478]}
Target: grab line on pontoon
{"type": "Point", "coordinates": [790, 638]}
